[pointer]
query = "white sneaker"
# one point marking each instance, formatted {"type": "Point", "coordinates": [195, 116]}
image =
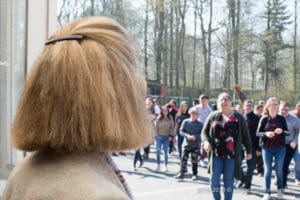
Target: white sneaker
{"type": "Point", "coordinates": [166, 168]}
{"type": "Point", "coordinates": [158, 168]}
{"type": "Point", "coordinates": [279, 195]}
{"type": "Point", "coordinates": [266, 197]}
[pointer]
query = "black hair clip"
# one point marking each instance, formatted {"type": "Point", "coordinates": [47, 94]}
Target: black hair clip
{"type": "Point", "coordinates": [59, 39]}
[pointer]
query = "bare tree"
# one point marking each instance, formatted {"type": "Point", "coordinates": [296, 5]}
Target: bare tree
{"type": "Point", "coordinates": [146, 39]}
{"type": "Point", "coordinates": [206, 42]}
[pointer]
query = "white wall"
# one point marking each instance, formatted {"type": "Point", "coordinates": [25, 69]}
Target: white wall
{"type": "Point", "coordinates": [24, 28]}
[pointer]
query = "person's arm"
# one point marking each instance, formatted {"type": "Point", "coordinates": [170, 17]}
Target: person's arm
{"type": "Point", "coordinates": [157, 121]}
{"type": "Point", "coordinates": [176, 127]}
{"type": "Point", "coordinates": [260, 128]}
{"type": "Point", "coordinates": [296, 131]}
{"type": "Point", "coordinates": [246, 138]}
{"type": "Point", "coordinates": [205, 137]}
{"type": "Point", "coordinates": [172, 127]}
{"type": "Point", "coordinates": [183, 130]}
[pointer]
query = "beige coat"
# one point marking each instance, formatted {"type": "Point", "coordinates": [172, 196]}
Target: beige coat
{"type": "Point", "coordinates": [49, 176]}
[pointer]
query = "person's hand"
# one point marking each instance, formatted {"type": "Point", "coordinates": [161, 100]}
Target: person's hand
{"type": "Point", "coordinates": [248, 156]}
{"type": "Point", "coordinates": [278, 131]}
{"type": "Point", "coordinates": [207, 146]}
{"type": "Point", "coordinates": [258, 153]}
{"type": "Point", "coordinates": [270, 134]}
{"type": "Point", "coordinates": [191, 138]}
{"type": "Point", "coordinates": [293, 145]}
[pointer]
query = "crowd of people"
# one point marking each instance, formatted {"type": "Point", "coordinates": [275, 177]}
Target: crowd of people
{"type": "Point", "coordinates": [229, 140]}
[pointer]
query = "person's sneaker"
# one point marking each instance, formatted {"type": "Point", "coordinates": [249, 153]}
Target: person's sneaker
{"type": "Point", "coordinates": [266, 197]}
{"type": "Point", "coordinates": [279, 195]}
{"type": "Point", "coordinates": [248, 191]}
{"type": "Point", "coordinates": [179, 176]}
{"type": "Point", "coordinates": [239, 184]}
{"type": "Point", "coordinates": [158, 168]}
{"type": "Point", "coordinates": [297, 182]}
{"type": "Point", "coordinates": [134, 169]}
{"type": "Point", "coordinates": [141, 163]}
{"type": "Point", "coordinates": [166, 168]}
{"type": "Point", "coordinates": [114, 154]}
{"type": "Point", "coordinates": [194, 177]}
{"type": "Point", "coordinates": [122, 153]}
{"type": "Point", "coordinates": [203, 163]}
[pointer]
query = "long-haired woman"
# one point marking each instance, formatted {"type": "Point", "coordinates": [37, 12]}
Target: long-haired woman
{"type": "Point", "coordinates": [181, 115]}
{"type": "Point", "coordinates": [164, 126]}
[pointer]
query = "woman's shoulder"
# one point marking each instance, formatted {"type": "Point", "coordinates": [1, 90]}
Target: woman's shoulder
{"type": "Point", "coordinates": [65, 176]}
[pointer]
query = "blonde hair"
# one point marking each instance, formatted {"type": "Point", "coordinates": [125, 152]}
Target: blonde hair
{"type": "Point", "coordinates": [266, 110]}
{"type": "Point", "coordinates": [180, 110]}
{"type": "Point", "coordinates": [85, 95]}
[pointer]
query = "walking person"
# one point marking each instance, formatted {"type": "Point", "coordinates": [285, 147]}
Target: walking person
{"type": "Point", "coordinates": [258, 110]}
{"type": "Point", "coordinates": [150, 111]}
{"type": "Point", "coordinates": [164, 126]}
{"type": "Point", "coordinates": [224, 133]}
{"type": "Point", "coordinates": [181, 115]}
{"type": "Point", "coordinates": [271, 129]}
{"type": "Point", "coordinates": [191, 131]}
{"type": "Point", "coordinates": [291, 138]}
{"type": "Point", "coordinates": [203, 111]}
{"type": "Point", "coordinates": [172, 113]}
{"type": "Point", "coordinates": [252, 123]}
{"type": "Point", "coordinates": [296, 112]}
{"type": "Point", "coordinates": [71, 115]}
{"type": "Point", "coordinates": [297, 164]}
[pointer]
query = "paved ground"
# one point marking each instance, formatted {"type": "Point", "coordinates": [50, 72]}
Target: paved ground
{"type": "Point", "coordinates": [147, 184]}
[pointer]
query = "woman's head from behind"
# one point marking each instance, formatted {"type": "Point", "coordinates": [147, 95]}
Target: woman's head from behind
{"type": "Point", "coordinates": [81, 94]}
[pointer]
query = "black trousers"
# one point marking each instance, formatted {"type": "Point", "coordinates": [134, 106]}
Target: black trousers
{"type": "Point", "coordinates": [194, 157]}
{"type": "Point", "coordinates": [289, 154]}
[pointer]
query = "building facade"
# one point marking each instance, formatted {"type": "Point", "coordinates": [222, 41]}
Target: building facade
{"type": "Point", "coordinates": [24, 27]}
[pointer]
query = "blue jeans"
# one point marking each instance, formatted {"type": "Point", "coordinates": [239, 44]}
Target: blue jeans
{"type": "Point", "coordinates": [268, 154]}
{"type": "Point", "coordinates": [162, 140]}
{"type": "Point", "coordinates": [226, 167]}
{"type": "Point", "coordinates": [297, 163]}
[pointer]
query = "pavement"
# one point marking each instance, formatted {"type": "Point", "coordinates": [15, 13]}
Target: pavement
{"type": "Point", "coordinates": [148, 184]}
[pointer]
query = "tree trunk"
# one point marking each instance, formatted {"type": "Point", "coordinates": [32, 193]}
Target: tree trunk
{"type": "Point", "coordinates": [267, 51]}
{"type": "Point", "coordinates": [295, 49]}
{"type": "Point", "coordinates": [204, 46]}
{"type": "Point", "coordinates": [146, 41]}
{"type": "Point", "coordinates": [165, 62]}
{"type": "Point", "coordinates": [182, 41]}
{"type": "Point", "coordinates": [209, 48]}
{"type": "Point", "coordinates": [171, 73]}
{"type": "Point", "coordinates": [92, 7]}
{"type": "Point", "coordinates": [177, 50]}
{"type": "Point", "coordinates": [195, 45]}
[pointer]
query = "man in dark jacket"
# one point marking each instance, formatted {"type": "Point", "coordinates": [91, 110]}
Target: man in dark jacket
{"type": "Point", "coordinates": [252, 122]}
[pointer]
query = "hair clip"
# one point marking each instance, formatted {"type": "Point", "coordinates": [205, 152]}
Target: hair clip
{"type": "Point", "coordinates": [59, 39]}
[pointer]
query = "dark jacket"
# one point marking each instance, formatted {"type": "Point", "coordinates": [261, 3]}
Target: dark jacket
{"type": "Point", "coordinates": [194, 128]}
{"type": "Point", "coordinates": [243, 139]}
{"type": "Point", "coordinates": [252, 122]}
